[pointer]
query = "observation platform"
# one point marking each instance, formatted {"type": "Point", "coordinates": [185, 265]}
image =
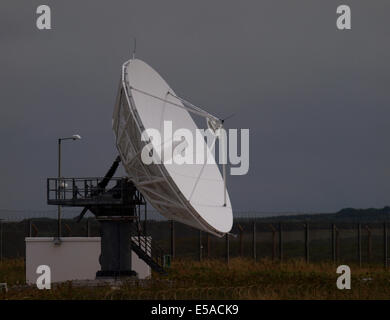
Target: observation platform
{"type": "Point", "coordinates": [84, 192]}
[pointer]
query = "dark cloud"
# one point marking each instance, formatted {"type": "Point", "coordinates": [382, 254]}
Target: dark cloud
{"type": "Point", "coordinates": [315, 99]}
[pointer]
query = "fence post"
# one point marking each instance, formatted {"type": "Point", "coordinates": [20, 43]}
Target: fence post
{"type": "Point", "coordinates": [227, 248]}
{"type": "Point", "coordinates": [337, 245]}
{"type": "Point", "coordinates": [145, 222]}
{"type": "Point", "coordinates": [1, 240]}
{"type": "Point", "coordinates": [172, 239]}
{"type": "Point", "coordinates": [369, 244]}
{"type": "Point", "coordinates": [32, 225]}
{"type": "Point", "coordinates": [69, 230]}
{"type": "Point", "coordinates": [254, 240]}
{"type": "Point", "coordinates": [334, 243]}
{"type": "Point", "coordinates": [307, 242]}
{"type": "Point", "coordinates": [273, 242]}
{"type": "Point", "coordinates": [280, 242]}
{"type": "Point", "coordinates": [200, 245]}
{"type": "Point", "coordinates": [385, 244]}
{"type": "Point", "coordinates": [360, 244]}
{"type": "Point", "coordinates": [88, 229]}
{"type": "Point", "coordinates": [208, 246]}
{"type": "Point", "coordinates": [241, 243]}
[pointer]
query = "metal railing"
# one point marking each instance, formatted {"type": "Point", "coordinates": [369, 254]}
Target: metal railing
{"type": "Point", "coordinates": [79, 188]}
{"type": "Point", "coordinates": [147, 245]}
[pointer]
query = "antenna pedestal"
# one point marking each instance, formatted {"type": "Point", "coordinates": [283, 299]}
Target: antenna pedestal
{"type": "Point", "coordinates": [115, 257]}
{"type": "Point", "coordinates": [117, 204]}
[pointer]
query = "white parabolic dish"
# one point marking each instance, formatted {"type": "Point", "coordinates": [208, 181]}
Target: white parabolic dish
{"type": "Point", "coordinates": [189, 193]}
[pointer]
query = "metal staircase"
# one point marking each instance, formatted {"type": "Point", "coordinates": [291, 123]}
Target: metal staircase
{"type": "Point", "coordinates": [147, 250]}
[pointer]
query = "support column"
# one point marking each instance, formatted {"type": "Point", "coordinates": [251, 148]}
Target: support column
{"type": "Point", "coordinates": [115, 257]}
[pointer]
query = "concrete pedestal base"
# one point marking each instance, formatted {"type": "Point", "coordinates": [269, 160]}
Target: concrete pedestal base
{"type": "Point", "coordinates": [115, 257]}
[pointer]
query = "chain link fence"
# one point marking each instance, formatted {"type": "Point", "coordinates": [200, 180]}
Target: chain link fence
{"type": "Point", "coordinates": [251, 238]}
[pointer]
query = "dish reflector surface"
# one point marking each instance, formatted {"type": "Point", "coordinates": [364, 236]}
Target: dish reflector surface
{"type": "Point", "coordinates": [189, 193]}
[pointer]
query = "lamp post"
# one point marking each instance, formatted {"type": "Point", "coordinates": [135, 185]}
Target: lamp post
{"type": "Point", "coordinates": [74, 137]}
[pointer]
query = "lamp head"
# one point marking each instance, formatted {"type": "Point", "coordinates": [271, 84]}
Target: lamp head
{"type": "Point", "coordinates": [76, 137]}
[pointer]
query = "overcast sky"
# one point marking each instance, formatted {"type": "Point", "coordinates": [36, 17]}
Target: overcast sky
{"type": "Point", "coordinates": [316, 99]}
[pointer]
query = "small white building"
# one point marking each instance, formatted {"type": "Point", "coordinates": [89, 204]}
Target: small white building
{"type": "Point", "coordinates": [76, 258]}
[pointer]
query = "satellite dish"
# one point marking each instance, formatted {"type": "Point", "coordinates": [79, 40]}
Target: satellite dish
{"type": "Point", "coordinates": [193, 194]}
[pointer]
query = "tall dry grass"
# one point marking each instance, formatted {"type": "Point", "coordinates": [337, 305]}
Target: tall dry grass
{"type": "Point", "coordinates": [213, 279]}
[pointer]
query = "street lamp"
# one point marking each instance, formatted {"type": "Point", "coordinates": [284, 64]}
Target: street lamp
{"type": "Point", "coordinates": [74, 137]}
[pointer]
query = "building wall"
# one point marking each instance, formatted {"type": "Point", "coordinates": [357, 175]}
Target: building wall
{"type": "Point", "coordinates": [77, 258]}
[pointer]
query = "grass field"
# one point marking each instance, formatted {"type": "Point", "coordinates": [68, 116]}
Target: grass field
{"type": "Point", "coordinates": [213, 279]}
